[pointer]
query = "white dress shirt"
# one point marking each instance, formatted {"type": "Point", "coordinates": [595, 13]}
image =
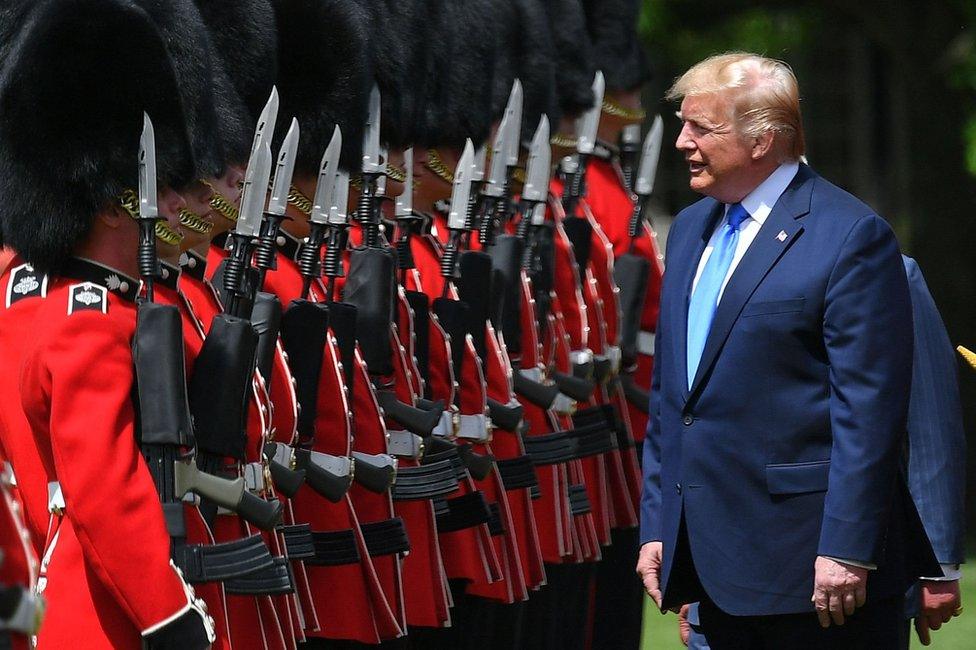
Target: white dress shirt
{"type": "Point", "coordinates": [759, 203]}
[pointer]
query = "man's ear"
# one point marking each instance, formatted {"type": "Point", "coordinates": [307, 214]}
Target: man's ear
{"type": "Point", "coordinates": [762, 145]}
{"type": "Point", "coordinates": [112, 216]}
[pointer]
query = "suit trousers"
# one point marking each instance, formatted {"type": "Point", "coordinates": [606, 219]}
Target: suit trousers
{"type": "Point", "coordinates": [879, 624]}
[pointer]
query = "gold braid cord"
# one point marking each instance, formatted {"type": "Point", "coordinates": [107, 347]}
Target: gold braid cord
{"type": "Point", "coordinates": [564, 141]}
{"type": "Point", "coordinates": [436, 165]}
{"type": "Point", "coordinates": [192, 221]}
{"type": "Point", "coordinates": [129, 201]}
{"type": "Point", "coordinates": [299, 200]}
{"type": "Point", "coordinates": [611, 107]}
{"type": "Point", "coordinates": [220, 204]}
{"type": "Point", "coordinates": [968, 355]}
{"type": "Point", "coordinates": [394, 173]}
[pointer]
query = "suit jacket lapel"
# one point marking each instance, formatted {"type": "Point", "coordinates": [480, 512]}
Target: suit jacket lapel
{"type": "Point", "coordinates": [765, 251]}
{"type": "Point", "coordinates": [687, 276]}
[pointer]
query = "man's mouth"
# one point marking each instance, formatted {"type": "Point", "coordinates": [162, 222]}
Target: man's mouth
{"type": "Point", "coordinates": [696, 167]}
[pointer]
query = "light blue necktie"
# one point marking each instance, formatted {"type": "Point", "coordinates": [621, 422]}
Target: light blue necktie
{"type": "Point", "coordinates": [704, 300]}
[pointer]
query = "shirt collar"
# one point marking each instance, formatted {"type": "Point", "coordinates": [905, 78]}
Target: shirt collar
{"type": "Point", "coordinates": [80, 268]}
{"type": "Point", "coordinates": [759, 202]}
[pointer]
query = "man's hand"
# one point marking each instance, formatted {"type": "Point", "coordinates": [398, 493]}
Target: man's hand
{"type": "Point", "coordinates": [684, 627]}
{"type": "Point", "coordinates": [649, 569]}
{"type": "Point", "coordinates": [838, 589]}
{"type": "Point", "coordinates": [940, 601]}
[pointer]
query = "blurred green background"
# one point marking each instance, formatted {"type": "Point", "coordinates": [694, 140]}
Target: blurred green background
{"type": "Point", "coordinates": [889, 106]}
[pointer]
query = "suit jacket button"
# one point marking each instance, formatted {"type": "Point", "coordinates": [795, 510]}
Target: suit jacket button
{"type": "Point", "coordinates": [677, 488]}
{"type": "Point", "coordinates": [688, 419]}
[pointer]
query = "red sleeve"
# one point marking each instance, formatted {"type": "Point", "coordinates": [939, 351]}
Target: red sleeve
{"type": "Point", "coordinates": [109, 495]}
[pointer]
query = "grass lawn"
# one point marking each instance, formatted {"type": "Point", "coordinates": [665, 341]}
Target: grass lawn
{"type": "Point", "coordinates": [661, 632]}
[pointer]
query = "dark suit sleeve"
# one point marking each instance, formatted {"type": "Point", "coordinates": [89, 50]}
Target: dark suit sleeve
{"type": "Point", "coordinates": [650, 515]}
{"type": "Point", "coordinates": [868, 338]}
{"type": "Point", "coordinates": [936, 439]}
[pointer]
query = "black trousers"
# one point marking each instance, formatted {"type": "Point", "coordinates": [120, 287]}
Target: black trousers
{"type": "Point", "coordinates": [878, 625]}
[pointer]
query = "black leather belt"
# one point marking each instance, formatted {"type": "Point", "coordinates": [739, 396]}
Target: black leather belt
{"type": "Point", "coordinates": [298, 541]}
{"type": "Point", "coordinates": [593, 439]}
{"type": "Point", "coordinates": [223, 561]}
{"type": "Point", "coordinates": [453, 457]}
{"type": "Point", "coordinates": [425, 481]}
{"type": "Point", "coordinates": [495, 524]}
{"type": "Point", "coordinates": [274, 580]}
{"type": "Point", "coordinates": [579, 500]}
{"type": "Point", "coordinates": [462, 512]}
{"type": "Point", "coordinates": [386, 537]}
{"type": "Point", "coordinates": [518, 473]}
{"type": "Point", "coordinates": [551, 448]}
{"type": "Point", "coordinates": [334, 548]}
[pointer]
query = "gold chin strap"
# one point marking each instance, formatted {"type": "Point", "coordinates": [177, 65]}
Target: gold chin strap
{"type": "Point", "coordinates": [564, 141]}
{"type": "Point", "coordinates": [129, 201]}
{"type": "Point", "coordinates": [395, 173]}
{"type": "Point", "coordinates": [220, 204]}
{"type": "Point", "coordinates": [300, 201]}
{"type": "Point", "coordinates": [192, 221]}
{"type": "Point", "coordinates": [968, 355]}
{"type": "Point", "coordinates": [611, 107]}
{"type": "Point", "coordinates": [519, 175]}
{"type": "Point", "coordinates": [436, 165]}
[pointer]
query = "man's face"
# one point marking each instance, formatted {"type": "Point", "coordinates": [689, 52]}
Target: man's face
{"type": "Point", "coordinates": [169, 204]}
{"type": "Point", "coordinates": [229, 187]}
{"type": "Point", "coordinates": [719, 158]}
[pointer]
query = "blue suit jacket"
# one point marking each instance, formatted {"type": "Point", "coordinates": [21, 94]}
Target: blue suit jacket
{"type": "Point", "coordinates": [787, 446]}
{"type": "Point", "coordinates": [936, 438]}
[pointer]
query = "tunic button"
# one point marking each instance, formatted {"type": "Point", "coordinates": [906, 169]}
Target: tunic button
{"type": "Point", "coordinates": [688, 419]}
{"type": "Point", "coordinates": [677, 487]}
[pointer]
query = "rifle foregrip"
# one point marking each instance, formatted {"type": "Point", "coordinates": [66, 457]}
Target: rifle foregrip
{"type": "Point", "coordinates": [331, 486]}
{"type": "Point", "coordinates": [157, 353]}
{"type": "Point", "coordinates": [255, 510]}
{"type": "Point", "coordinates": [640, 398]}
{"type": "Point", "coordinates": [413, 419]}
{"type": "Point", "coordinates": [541, 395]}
{"type": "Point", "coordinates": [479, 465]}
{"type": "Point", "coordinates": [266, 319]}
{"type": "Point", "coordinates": [504, 416]}
{"type": "Point", "coordinates": [286, 480]}
{"type": "Point", "coordinates": [376, 472]}
{"type": "Point", "coordinates": [577, 388]}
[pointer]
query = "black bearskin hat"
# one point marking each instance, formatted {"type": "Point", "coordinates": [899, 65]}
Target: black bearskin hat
{"type": "Point", "coordinates": [612, 25]}
{"type": "Point", "coordinates": [461, 65]}
{"type": "Point", "coordinates": [246, 38]}
{"type": "Point", "coordinates": [324, 77]}
{"type": "Point", "coordinates": [574, 58]}
{"type": "Point", "coordinates": [526, 52]}
{"type": "Point", "coordinates": [398, 52]}
{"type": "Point", "coordinates": [73, 90]}
{"type": "Point", "coordinates": [188, 43]}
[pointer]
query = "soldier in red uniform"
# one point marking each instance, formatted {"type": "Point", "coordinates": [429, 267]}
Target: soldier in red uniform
{"type": "Point", "coordinates": [76, 83]}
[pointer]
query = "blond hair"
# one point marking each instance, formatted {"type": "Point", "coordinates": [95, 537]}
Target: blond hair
{"type": "Point", "coordinates": [767, 96]}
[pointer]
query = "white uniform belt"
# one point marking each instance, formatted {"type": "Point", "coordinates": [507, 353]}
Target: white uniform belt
{"type": "Point", "coordinates": [645, 343]}
{"type": "Point", "coordinates": [404, 443]}
{"type": "Point", "coordinates": [448, 426]}
{"type": "Point", "coordinates": [254, 477]}
{"type": "Point", "coordinates": [475, 427]}
{"type": "Point", "coordinates": [614, 354]}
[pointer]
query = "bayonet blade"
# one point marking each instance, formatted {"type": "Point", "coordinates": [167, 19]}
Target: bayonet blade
{"type": "Point", "coordinates": [588, 123]}
{"type": "Point", "coordinates": [147, 170]}
{"type": "Point", "coordinates": [461, 192]}
{"type": "Point", "coordinates": [325, 188]}
{"type": "Point", "coordinates": [404, 202]}
{"type": "Point", "coordinates": [266, 121]}
{"type": "Point", "coordinates": [254, 192]}
{"type": "Point", "coordinates": [371, 135]}
{"type": "Point", "coordinates": [284, 171]}
{"type": "Point", "coordinates": [478, 164]}
{"type": "Point", "coordinates": [340, 200]}
{"type": "Point", "coordinates": [537, 169]}
{"type": "Point", "coordinates": [644, 184]}
{"type": "Point", "coordinates": [495, 186]}
{"type": "Point", "coordinates": [513, 110]}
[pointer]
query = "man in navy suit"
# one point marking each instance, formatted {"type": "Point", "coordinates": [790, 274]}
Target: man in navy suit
{"type": "Point", "coordinates": [772, 486]}
{"type": "Point", "coordinates": [936, 469]}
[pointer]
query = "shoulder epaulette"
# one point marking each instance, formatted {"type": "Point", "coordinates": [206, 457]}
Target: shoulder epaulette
{"type": "Point", "coordinates": [25, 282]}
{"type": "Point", "coordinates": [87, 296]}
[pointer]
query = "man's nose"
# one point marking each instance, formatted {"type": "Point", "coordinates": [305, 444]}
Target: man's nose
{"type": "Point", "coordinates": [684, 141]}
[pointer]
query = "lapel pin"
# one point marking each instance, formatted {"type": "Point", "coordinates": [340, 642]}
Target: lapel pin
{"type": "Point", "coordinates": [781, 236]}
